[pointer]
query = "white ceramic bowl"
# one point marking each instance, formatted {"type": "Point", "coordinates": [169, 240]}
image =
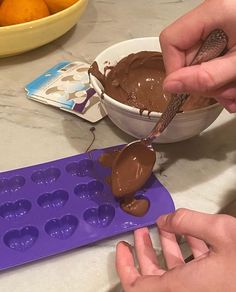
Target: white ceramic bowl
{"type": "Point", "coordinates": [185, 125]}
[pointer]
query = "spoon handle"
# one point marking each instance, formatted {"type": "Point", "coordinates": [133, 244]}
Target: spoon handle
{"type": "Point", "coordinates": [213, 46]}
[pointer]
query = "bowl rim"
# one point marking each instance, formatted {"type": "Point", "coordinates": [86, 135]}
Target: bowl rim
{"type": "Point", "coordinates": [40, 21]}
{"type": "Point", "coordinates": [103, 96]}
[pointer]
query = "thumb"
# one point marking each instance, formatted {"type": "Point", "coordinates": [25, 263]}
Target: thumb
{"type": "Point", "coordinates": [203, 78]}
{"type": "Point", "coordinates": [199, 225]}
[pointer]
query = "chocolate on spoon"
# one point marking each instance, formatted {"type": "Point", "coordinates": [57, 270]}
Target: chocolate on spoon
{"type": "Point", "coordinates": [134, 164]}
{"type": "Point", "coordinates": [131, 168]}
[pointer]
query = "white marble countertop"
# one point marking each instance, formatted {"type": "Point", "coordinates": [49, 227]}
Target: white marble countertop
{"type": "Point", "coordinates": [199, 173]}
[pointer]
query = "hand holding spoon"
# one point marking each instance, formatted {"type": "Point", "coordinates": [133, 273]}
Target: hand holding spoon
{"type": "Point", "coordinates": [133, 166]}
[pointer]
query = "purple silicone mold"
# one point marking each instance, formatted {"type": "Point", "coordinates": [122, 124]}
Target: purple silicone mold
{"type": "Point", "coordinates": [23, 239]}
{"type": "Point", "coordinates": [94, 190]}
{"type": "Point", "coordinates": [11, 184]}
{"type": "Point", "coordinates": [51, 200]}
{"type": "Point", "coordinates": [53, 207]}
{"type": "Point", "coordinates": [62, 228]}
{"type": "Point", "coordinates": [82, 168]}
{"type": "Point", "coordinates": [15, 210]}
{"type": "Point", "coordinates": [46, 176]}
{"type": "Point", "coordinates": [101, 216]}
{"type": "Point", "coordinates": [89, 191]}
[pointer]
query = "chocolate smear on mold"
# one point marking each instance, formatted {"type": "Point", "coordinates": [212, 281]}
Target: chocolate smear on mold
{"type": "Point", "coordinates": [107, 158]}
{"type": "Point", "coordinates": [135, 207]}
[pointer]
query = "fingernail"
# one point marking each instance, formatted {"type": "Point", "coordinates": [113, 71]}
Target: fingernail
{"type": "Point", "coordinates": [173, 86]}
{"type": "Point", "coordinates": [127, 244]}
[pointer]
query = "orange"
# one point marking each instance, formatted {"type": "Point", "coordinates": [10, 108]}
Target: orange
{"type": "Point", "coordinates": [19, 11]}
{"type": "Point", "coordinates": [58, 5]}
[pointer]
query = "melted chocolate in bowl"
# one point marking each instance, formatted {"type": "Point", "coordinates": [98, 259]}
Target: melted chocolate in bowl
{"type": "Point", "coordinates": [137, 79]}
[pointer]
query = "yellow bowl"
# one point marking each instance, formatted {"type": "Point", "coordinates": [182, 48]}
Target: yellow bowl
{"type": "Point", "coordinates": [19, 38]}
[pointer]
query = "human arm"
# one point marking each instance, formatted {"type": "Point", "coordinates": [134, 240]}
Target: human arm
{"type": "Point", "coordinates": [180, 41]}
{"type": "Point", "coordinates": [212, 239]}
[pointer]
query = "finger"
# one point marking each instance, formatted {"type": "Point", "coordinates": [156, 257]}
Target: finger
{"type": "Point", "coordinates": [197, 246]}
{"type": "Point", "coordinates": [171, 250]}
{"type": "Point", "coordinates": [208, 76]}
{"type": "Point", "coordinates": [225, 95]}
{"type": "Point", "coordinates": [209, 228]}
{"type": "Point", "coordinates": [125, 265]}
{"type": "Point", "coordinates": [227, 92]}
{"type": "Point", "coordinates": [146, 255]}
{"type": "Point", "coordinates": [229, 104]}
{"type": "Point", "coordinates": [150, 284]}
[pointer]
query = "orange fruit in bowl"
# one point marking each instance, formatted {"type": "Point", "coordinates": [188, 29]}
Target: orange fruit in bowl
{"type": "Point", "coordinates": [19, 11]}
{"type": "Point", "coordinates": [58, 5]}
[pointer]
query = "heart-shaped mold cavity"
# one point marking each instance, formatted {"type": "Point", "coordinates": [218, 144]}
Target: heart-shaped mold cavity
{"type": "Point", "coordinates": [81, 168]}
{"type": "Point", "coordinates": [21, 240]}
{"type": "Point", "coordinates": [14, 210]}
{"type": "Point", "coordinates": [62, 228]}
{"type": "Point", "coordinates": [89, 191]}
{"type": "Point", "coordinates": [52, 200]}
{"type": "Point", "coordinates": [46, 176]}
{"type": "Point", "coordinates": [101, 216]}
{"type": "Point", "coordinates": [12, 184]}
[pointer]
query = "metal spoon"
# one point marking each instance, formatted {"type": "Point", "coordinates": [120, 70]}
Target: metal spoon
{"type": "Point", "coordinates": [132, 156]}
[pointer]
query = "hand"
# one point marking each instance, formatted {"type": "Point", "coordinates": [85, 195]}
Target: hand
{"type": "Point", "coordinates": [212, 270]}
{"type": "Point", "coordinates": [180, 41]}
